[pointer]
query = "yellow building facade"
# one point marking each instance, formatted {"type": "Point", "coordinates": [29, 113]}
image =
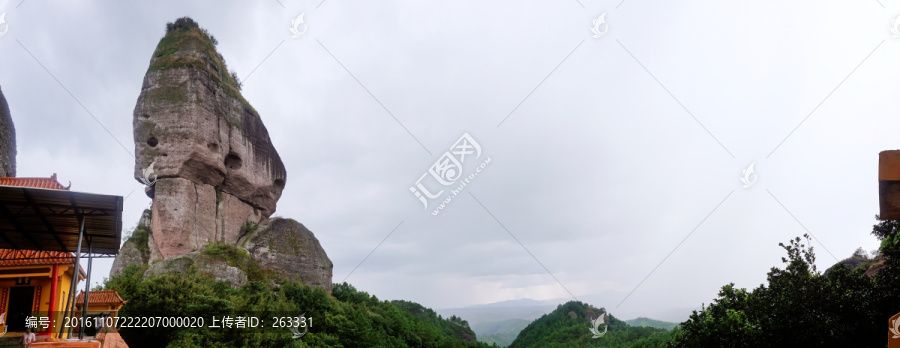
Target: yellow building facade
{"type": "Point", "coordinates": [40, 222]}
{"type": "Point", "coordinates": [35, 284]}
{"type": "Point", "coordinates": [102, 302]}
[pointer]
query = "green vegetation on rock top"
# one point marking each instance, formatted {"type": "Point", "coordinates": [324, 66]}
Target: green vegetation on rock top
{"type": "Point", "coordinates": [187, 45]}
{"type": "Point", "coordinates": [237, 257]}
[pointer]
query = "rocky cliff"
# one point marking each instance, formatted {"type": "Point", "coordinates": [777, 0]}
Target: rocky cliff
{"type": "Point", "coordinates": [281, 244]}
{"type": "Point", "coordinates": [214, 164]}
{"type": "Point", "coordinates": [7, 140]}
{"type": "Point", "coordinates": [214, 173]}
{"type": "Point", "coordinates": [136, 249]}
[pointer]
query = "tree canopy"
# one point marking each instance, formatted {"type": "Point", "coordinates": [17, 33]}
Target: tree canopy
{"type": "Point", "coordinates": [802, 307]}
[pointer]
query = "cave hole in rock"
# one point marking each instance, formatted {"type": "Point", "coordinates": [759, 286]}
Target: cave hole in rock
{"type": "Point", "coordinates": [152, 142]}
{"type": "Point", "coordinates": [233, 161]}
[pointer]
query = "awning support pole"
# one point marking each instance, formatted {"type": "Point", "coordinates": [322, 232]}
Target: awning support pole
{"type": "Point", "coordinates": [87, 288]}
{"type": "Point", "coordinates": [54, 288]}
{"type": "Point", "coordinates": [70, 307]}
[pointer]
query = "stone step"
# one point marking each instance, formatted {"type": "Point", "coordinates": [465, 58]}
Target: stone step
{"type": "Point", "coordinates": [10, 341]}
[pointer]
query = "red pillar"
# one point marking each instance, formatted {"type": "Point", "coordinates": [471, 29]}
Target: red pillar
{"type": "Point", "coordinates": [53, 282]}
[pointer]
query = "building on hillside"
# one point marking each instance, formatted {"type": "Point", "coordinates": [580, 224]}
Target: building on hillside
{"type": "Point", "coordinates": [102, 302]}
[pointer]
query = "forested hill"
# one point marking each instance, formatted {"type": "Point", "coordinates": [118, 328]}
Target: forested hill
{"type": "Point", "coordinates": [642, 321]}
{"type": "Point", "coordinates": [345, 318]}
{"type": "Point", "coordinates": [569, 324]}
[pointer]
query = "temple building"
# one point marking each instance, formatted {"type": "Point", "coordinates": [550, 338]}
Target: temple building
{"type": "Point", "coordinates": [102, 303]}
{"type": "Point", "coordinates": [46, 230]}
{"type": "Point", "coordinates": [34, 283]}
{"type": "Point", "coordinates": [43, 183]}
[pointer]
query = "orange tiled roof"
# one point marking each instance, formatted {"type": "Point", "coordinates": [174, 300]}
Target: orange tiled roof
{"type": "Point", "coordinates": [15, 257]}
{"type": "Point", "coordinates": [110, 297]}
{"type": "Point", "coordinates": [45, 183]}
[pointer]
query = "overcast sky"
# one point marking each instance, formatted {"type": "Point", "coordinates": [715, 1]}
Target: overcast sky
{"type": "Point", "coordinates": [606, 154]}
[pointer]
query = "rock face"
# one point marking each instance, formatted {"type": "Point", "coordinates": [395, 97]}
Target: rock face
{"type": "Point", "coordinates": [215, 166]}
{"type": "Point", "coordinates": [282, 244]}
{"type": "Point", "coordinates": [7, 140]}
{"type": "Point", "coordinates": [135, 250]}
{"type": "Point", "coordinates": [215, 175]}
{"type": "Point", "coordinates": [877, 265]}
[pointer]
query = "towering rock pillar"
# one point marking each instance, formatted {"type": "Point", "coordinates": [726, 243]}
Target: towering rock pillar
{"type": "Point", "coordinates": [215, 166]}
{"type": "Point", "coordinates": [7, 140]}
{"type": "Point", "coordinates": [215, 174]}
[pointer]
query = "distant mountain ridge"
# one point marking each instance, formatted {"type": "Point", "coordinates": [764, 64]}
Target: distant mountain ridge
{"type": "Point", "coordinates": [642, 321]}
{"type": "Point", "coordinates": [523, 302]}
{"type": "Point", "coordinates": [527, 308]}
{"type": "Point", "coordinates": [501, 322]}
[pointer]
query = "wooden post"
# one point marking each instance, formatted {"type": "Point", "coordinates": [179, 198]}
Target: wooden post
{"type": "Point", "coordinates": [894, 331]}
{"type": "Point", "coordinates": [889, 184]}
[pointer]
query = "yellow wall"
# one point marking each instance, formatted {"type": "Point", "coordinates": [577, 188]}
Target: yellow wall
{"type": "Point", "coordinates": [100, 308]}
{"type": "Point", "coordinates": [8, 275]}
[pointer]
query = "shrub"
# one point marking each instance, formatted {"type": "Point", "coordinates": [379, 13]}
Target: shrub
{"type": "Point", "coordinates": [249, 227]}
{"type": "Point", "coordinates": [183, 23]}
{"type": "Point", "coordinates": [237, 257]}
{"type": "Point", "coordinates": [237, 81]}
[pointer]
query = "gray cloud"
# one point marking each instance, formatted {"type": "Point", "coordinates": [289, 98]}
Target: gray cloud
{"type": "Point", "coordinates": [600, 172]}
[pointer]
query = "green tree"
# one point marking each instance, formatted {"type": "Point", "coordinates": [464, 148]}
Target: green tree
{"type": "Point", "coordinates": [800, 307]}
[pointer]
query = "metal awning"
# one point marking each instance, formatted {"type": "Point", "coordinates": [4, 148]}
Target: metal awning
{"type": "Point", "coordinates": [61, 220]}
{"type": "Point", "coordinates": [45, 219]}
